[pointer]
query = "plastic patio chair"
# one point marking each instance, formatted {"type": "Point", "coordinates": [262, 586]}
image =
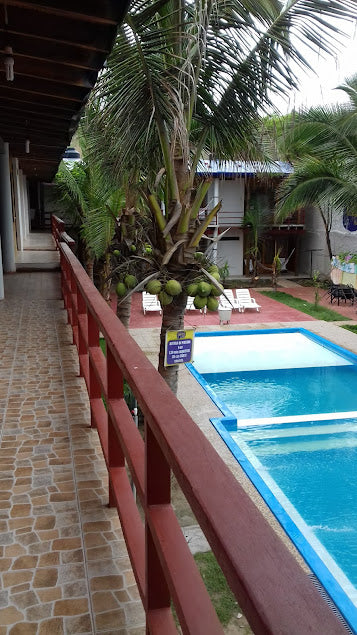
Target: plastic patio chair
{"type": "Point", "coordinates": [150, 302]}
{"type": "Point", "coordinates": [246, 301]}
{"type": "Point", "coordinates": [228, 301]}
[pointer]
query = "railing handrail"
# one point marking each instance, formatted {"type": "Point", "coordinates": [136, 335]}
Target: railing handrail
{"type": "Point", "coordinates": [59, 234]}
{"type": "Point", "coordinates": [274, 592]}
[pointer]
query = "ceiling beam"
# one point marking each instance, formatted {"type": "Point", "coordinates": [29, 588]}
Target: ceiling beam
{"type": "Point", "coordinates": [61, 12]}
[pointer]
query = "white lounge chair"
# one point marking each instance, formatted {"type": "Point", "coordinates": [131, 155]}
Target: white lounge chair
{"type": "Point", "coordinates": [150, 302]}
{"type": "Point", "coordinates": [246, 301]}
{"type": "Point", "coordinates": [189, 305]}
{"type": "Point", "coordinates": [228, 301]}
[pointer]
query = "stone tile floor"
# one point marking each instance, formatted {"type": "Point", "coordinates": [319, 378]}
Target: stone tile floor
{"type": "Point", "coordinates": [63, 561]}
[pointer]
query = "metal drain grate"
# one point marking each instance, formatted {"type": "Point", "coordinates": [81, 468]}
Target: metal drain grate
{"type": "Point", "coordinates": [328, 601]}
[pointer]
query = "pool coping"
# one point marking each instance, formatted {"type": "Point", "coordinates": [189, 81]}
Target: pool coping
{"type": "Point", "coordinates": [228, 423]}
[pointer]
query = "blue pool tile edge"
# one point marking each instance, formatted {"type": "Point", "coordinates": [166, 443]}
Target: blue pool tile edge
{"type": "Point", "coordinates": [346, 607]}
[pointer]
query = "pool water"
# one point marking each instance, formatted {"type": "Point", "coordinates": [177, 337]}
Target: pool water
{"type": "Point", "coordinates": [315, 466]}
{"type": "Point", "coordinates": [289, 391]}
{"type": "Point", "coordinates": [289, 415]}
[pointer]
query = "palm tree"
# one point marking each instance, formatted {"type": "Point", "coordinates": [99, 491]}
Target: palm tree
{"type": "Point", "coordinates": [185, 80]}
{"type": "Point", "coordinates": [322, 144]}
{"type": "Point", "coordinates": [92, 205]}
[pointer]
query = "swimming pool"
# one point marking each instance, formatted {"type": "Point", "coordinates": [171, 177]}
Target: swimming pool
{"type": "Point", "coordinates": [292, 425]}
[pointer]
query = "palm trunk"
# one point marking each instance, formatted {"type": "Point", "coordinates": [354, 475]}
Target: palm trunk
{"type": "Point", "coordinates": [89, 267]}
{"type": "Point", "coordinates": [173, 316]}
{"type": "Point", "coordinates": [327, 227]}
{"type": "Point", "coordinates": [105, 280]}
{"type": "Point", "coordinates": [124, 310]}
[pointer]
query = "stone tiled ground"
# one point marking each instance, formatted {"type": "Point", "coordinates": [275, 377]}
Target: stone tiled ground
{"type": "Point", "coordinates": [63, 562]}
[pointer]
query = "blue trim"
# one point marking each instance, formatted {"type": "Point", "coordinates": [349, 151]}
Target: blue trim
{"type": "Point", "coordinates": [228, 423]}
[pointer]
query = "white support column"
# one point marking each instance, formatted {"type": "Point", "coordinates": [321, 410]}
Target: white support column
{"type": "Point", "coordinates": [26, 205]}
{"type": "Point", "coordinates": [17, 204]}
{"type": "Point", "coordinates": [1, 277]}
{"type": "Point", "coordinates": [24, 210]}
{"type": "Point", "coordinates": [6, 222]}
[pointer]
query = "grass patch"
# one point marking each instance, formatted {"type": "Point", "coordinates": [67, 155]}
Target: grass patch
{"type": "Point", "coordinates": [352, 328]}
{"type": "Point", "coordinates": [319, 312]}
{"type": "Point", "coordinates": [221, 596]}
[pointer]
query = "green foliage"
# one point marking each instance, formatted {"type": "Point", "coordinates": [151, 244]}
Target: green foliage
{"type": "Point", "coordinates": [322, 143]}
{"type": "Point", "coordinates": [352, 328]}
{"type": "Point", "coordinates": [348, 258]}
{"type": "Point", "coordinates": [224, 271]}
{"type": "Point", "coordinates": [221, 596]}
{"type": "Point", "coordinates": [319, 313]}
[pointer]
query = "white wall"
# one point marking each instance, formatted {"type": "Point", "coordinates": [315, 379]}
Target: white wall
{"type": "Point", "coordinates": [313, 254]}
{"type": "Point", "coordinates": [230, 249]}
{"type": "Point", "coordinates": [232, 195]}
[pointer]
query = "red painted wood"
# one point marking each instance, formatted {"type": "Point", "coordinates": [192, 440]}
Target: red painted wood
{"type": "Point", "coordinates": [157, 594]}
{"type": "Point", "coordinates": [99, 421]}
{"type": "Point", "coordinates": [274, 592]}
{"type": "Point", "coordinates": [131, 441]}
{"type": "Point", "coordinates": [161, 621]}
{"type": "Point", "coordinates": [99, 365]}
{"type": "Point", "coordinates": [181, 572]}
{"type": "Point", "coordinates": [131, 523]}
{"type": "Point", "coordinates": [157, 493]}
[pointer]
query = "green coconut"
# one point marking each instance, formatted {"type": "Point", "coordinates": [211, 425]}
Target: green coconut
{"type": "Point", "coordinates": [153, 287]}
{"type": "Point", "coordinates": [199, 255]}
{"type": "Point", "coordinates": [217, 291]}
{"type": "Point", "coordinates": [116, 252]}
{"type": "Point", "coordinates": [130, 281]}
{"type": "Point", "coordinates": [173, 287]}
{"type": "Point", "coordinates": [133, 248]}
{"type": "Point", "coordinates": [165, 298]}
{"type": "Point", "coordinates": [216, 275]}
{"type": "Point", "coordinates": [200, 302]}
{"type": "Point", "coordinates": [148, 249]}
{"type": "Point", "coordinates": [212, 303]}
{"type": "Point", "coordinates": [204, 289]}
{"type": "Point", "coordinates": [120, 289]}
{"type": "Point", "coordinates": [213, 269]}
{"type": "Point", "coordinates": [192, 289]}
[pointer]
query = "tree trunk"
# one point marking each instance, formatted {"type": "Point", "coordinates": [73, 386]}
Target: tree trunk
{"type": "Point", "coordinates": [124, 310]}
{"type": "Point", "coordinates": [173, 316]}
{"type": "Point", "coordinates": [105, 280]}
{"type": "Point", "coordinates": [327, 227]}
{"type": "Point", "coordinates": [89, 267]}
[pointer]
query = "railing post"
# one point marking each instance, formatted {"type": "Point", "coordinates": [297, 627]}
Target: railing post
{"type": "Point", "coordinates": [157, 492]}
{"type": "Point", "coordinates": [115, 390]}
{"type": "Point", "coordinates": [82, 330]}
{"type": "Point", "coordinates": [73, 303]}
{"type": "Point", "coordinates": [94, 390]}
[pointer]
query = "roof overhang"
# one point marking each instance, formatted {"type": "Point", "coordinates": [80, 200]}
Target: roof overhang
{"type": "Point", "coordinates": [58, 48]}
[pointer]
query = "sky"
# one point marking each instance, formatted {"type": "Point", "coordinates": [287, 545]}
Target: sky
{"type": "Point", "coordinates": [330, 71]}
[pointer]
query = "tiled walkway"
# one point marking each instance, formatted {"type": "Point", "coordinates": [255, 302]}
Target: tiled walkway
{"type": "Point", "coordinates": [63, 565]}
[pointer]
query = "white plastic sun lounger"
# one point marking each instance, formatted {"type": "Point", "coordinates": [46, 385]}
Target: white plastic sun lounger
{"type": "Point", "coordinates": [228, 301]}
{"type": "Point", "coordinates": [246, 301]}
{"type": "Point", "coordinates": [150, 302]}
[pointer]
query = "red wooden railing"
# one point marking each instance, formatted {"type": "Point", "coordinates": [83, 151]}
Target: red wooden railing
{"type": "Point", "coordinates": [274, 592]}
{"type": "Point", "coordinates": [59, 234]}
